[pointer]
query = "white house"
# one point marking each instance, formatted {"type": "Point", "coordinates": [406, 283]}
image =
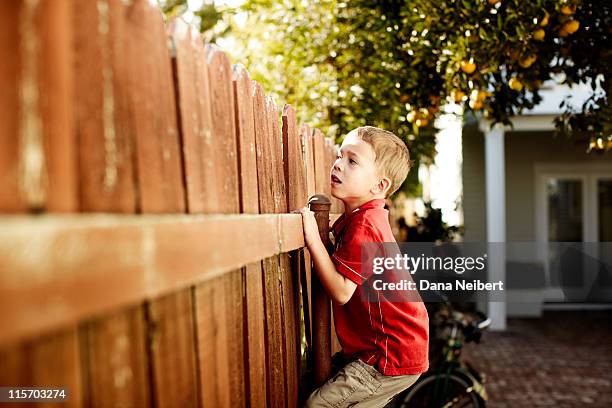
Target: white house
{"type": "Point", "coordinates": [526, 187]}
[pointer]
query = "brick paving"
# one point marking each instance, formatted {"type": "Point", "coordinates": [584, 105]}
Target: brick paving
{"type": "Point", "coordinates": [562, 360]}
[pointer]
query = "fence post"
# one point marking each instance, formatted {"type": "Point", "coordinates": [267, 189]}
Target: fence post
{"type": "Point", "coordinates": [321, 336]}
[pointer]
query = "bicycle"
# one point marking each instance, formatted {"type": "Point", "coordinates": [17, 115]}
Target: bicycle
{"type": "Point", "coordinates": [450, 382]}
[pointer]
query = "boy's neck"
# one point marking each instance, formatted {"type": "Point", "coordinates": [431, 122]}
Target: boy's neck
{"type": "Point", "coordinates": [352, 205]}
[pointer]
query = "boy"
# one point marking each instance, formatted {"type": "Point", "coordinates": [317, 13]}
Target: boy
{"type": "Point", "coordinates": [385, 343]}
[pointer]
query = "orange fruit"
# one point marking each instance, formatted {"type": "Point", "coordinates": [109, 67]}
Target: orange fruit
{"type": "Point", "coordinates": [476, 105]}
{"type": "Point", "coordinates": [568, 10]}
{"type": "Point", "coordinates": [539, 34]}
{"type": "Point", "coordinates": [563, 33]}
{"type": "Point", "coordinates": [528, 60]}
{"type": "Point", "coordinates": [515, 84]}
{"type": "Point", "coordinates": [571, 26]}
{"type": "Point", "coordinates": [493, 2]}
{"type": "Point", "coordinates": [423, 113]}
{"type": "Point", "coordinates": [480, 96]}
{"type": "Point", "coordinates": [544, 21]}
{"type": "Point", "coordinates": [457, 96]}
{"type": "Point", "coordinates": [421, 122]}
{"type": "Point", "coordinates": [468, 66]}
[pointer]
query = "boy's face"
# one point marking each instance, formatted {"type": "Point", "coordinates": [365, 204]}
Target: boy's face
{"type": "Point", "coordinates": [354, 175]}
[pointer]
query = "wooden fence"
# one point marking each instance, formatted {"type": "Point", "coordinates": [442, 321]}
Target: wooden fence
{"type": "Point", "coordinates": [148, 256]}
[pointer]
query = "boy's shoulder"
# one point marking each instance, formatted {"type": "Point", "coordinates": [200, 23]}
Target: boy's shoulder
{"type": "Point", "coordinates": [370, 225]}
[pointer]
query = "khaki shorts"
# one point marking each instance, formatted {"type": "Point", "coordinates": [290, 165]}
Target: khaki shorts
{"type": "Point", "coordinates": [359, 385]}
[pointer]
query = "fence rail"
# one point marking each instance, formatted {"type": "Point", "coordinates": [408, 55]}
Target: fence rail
{"type": "Point", "coordinates": [165, 268]}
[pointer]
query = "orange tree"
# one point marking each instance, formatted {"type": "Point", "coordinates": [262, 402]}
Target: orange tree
{"type": "Point", "coordinates": [394, 63]}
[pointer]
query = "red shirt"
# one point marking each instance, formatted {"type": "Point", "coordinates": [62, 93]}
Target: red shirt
{"type": "Point", "coordinates": [392, 336]}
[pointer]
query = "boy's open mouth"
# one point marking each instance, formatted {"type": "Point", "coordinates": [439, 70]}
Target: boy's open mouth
{"type": "Point", "coordinates": [335, 179]}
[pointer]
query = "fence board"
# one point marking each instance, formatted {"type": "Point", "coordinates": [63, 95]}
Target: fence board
{"type": "Point", "coordinates": [269, 203]}
{"type": "Point", "coordinates": [245, 131]}
{"type": "Point", "coordinates": [306, 139]}
{"type": "Point", "coordinates": [285, 290]}
{"type": "Point", "coordinates": [295, 176]}
{"type": "Point", "coordinates": [170, 320]}
{"type": "Point", "coordinates": [295, 169]}
{"type": "Point", "coordinates": [107, 126]}
{"type": "Point", "coordinates": [223, 147]}
{"type": "Point", "coordinates": [228, 388]}
{"type": "Point", "coordinates": [306, 136]}
{"type": "Point", "coordinates": [320, 171]}
{"type": "Point", "coordinates": [104, 123]}
{"type": "Point", "coordinates": [50, 362]}
{"type": "Point", "coordinates": [255, 351]}
{"type": "Point", "coordinates": [212, 343]}
{"type": "Point", "coordinates": [38, 160]}
{"type": "Point", "coordinates": [160, 180]}
{"type": "Point", "coordinates": [117, 361]}
{"type": "Point", "coordinates": [195, 116]}
{"type": "Point", "coordinates": [37, 163]}
{"type": "Point", "coordinates": [256, 354]}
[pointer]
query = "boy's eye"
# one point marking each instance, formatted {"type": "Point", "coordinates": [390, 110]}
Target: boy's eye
{"type": "Point", "coordinates": [352, 161]}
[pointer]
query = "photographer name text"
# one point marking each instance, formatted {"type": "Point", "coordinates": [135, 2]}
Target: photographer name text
{"type": "Point", "coordinates": [460, 284]}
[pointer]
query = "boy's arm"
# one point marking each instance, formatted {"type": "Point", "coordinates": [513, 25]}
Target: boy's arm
{"type": "Point", "coordinates": [338, 287]}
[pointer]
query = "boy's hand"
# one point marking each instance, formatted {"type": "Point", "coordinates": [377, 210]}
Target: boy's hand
{"type": "Point", "coordinates": [311, 230]}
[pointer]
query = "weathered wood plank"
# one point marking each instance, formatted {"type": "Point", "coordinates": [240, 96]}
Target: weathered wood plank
{"type": "Point", "coordinates": [153, 108]}
{"type": "Point", "coordinates": [235, 317]}
{"type": "Point", "coordinates": [170, 322]}
{"type": "Point", "coordinates": [295, 176]}
{"type": "Point", "coordinates": [38, 160]}
{"type": "Point", "coordinates": [49, 362]}
{"type": "Point", "coordinates": [245, 132]}
{"type": "Point", "coordinates": [263, 150]}
{"type": "Point", "coordinates": [307, 144]}
{"type": "Point", "coordinates": [255, 351]}
{"type": "Point", "coordinates": [278, 172]}
{"type": "Point", "coordinates": [115, 350]}
{"type": "Point", "coordinates": [195, 115]}
{"type": "Point", "coordinates": [104, 123]}
{"type": "Point", "coordinates": [225, 197]}
{"type": "Point", "coordinates": [269, 202]}
{"type": "Point", "coordinates": [290, 305]}
{"type": "Point", "coordinates": [256, 354]}
{"type": "Point", "coordinates": [38, 164]}
{"type": "Point", "coordinates": [228, 387]}
{"type": "Point", "coordinates": [94, 263]}
{"type": "Point", "coordinates": [295, 168]}
{"type": "Point", "coordinates": [320, 172]}
{"type": "Point", "coordinates": [275, 344]}
{"type": "Point", "coordinates": [213, 355]}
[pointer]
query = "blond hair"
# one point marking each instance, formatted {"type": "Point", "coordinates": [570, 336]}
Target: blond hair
{"type": "Point", "coordinates": [392, 155]}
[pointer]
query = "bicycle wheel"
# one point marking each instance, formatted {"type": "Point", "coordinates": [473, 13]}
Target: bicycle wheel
{"type": "Point", "coordinates": [440, 391]}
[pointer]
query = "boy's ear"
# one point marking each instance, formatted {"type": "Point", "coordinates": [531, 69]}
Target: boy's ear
{"type": "Point", "coordinates": [383, 186]}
